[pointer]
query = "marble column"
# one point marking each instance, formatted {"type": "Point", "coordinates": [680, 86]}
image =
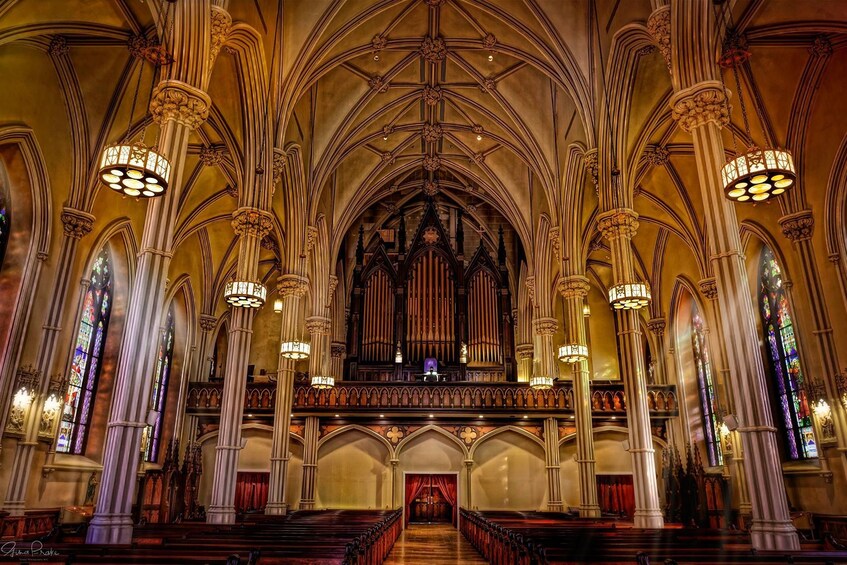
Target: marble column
{"type": "Point", "coordinates": [76, 224]}
{"type": "Point", "coordinates": [292, 289]}
{"type": "Point", "coordinates": [310, 462]}
{"type": "Point", "coordinates": [618, 226]}
{"type": "Point", "coordinates": [574, 289]}
{"type": "Point", "coordinates": [545, 354]}
{"type": "Point", "coordinates": [702, 110]}
{"type": "Point", "coordinates": [799, 228]}
{"type": "Point", "coordinates": [551, 454]}
{"type": "Point", "coordinates": [657, 328]}
{"type": "Point", "coordinates": [179, 108]}
{"type": "Point", "coordinates": [250, 225]}
{"type": "Point", "coordinates": [524, 354]}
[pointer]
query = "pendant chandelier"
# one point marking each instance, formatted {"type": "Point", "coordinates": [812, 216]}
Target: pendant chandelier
{"type": "Point", "coordinates": [629, 296]}
{"type": "Point", "coordinates": [295, 349]}
{"type": "Point", "coordinates": [761, 172]}
{"type": "Point", "coordinates": [131, 167]}
{"type": "Point", "coordinates": [538, 382]}
{"type": "Point", "coordinates": [323, 382]}
{"type": "Point", "coordinates": [245, 294]}
{"type": "Point", "coordinates": [573, 353]}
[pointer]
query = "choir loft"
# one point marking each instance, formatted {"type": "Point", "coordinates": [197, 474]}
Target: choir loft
{"type": "Point", "coordinates": [365, 281]}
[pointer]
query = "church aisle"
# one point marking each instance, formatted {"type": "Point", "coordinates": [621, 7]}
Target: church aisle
{"type": "Point", "coordinates": [432, 545]}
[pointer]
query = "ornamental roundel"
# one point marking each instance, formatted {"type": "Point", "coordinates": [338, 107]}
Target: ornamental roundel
{"type": "Point", "coordinates": [430, 236]}
{"type": "Point", "coordinates": [395, 434]}
{"type": "Point", "coordinates": [468, 434]}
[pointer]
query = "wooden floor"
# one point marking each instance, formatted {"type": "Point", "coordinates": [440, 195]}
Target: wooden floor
{"type": "Point", "coordinates": [433, 545]}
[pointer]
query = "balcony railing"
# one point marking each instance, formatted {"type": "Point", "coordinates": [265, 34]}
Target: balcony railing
{"type": "Point", "coordinates": [607, 399]}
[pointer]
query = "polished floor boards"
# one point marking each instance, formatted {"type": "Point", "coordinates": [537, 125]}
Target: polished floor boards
{"type": "Point", "coordinates": [433, 545]}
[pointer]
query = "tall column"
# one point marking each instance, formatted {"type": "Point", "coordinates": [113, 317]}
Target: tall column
{"type": "Point", "coordinates": [468, 468]}
{"type": "Point", "coordinates": [250, 225]}
{"type": "Point", "coordinates": [574, 289]}
{"type": "Point", "coordinates": [551, 454]}
{"type": "Point", "coordinates": [657, 328]}
{"type": "Point", "coordinates": [701, 110]}
{"type": "Point", "coordinates": [618, 226]}
{"type": "Point", "coordinates": [798, 228]}
{"type": "Point", "coordinates": [310, 463]}
{"type": "Point", "coordinates": [524, 354]}
{"type": "Point", "coordinates": [337, 349]}
{"type": "Point", "coordinates": [76, 224]}
{"type": "Point", "coordinates": [545, 329]}
{"type": "Point", "coordinates": [394, 463]}
{"type": "Point", "coordinates": [179, 108]}
{"type": "Point", "coordinates": [319, 328]}
{"type": "Point", "coordinates": [292, 289]}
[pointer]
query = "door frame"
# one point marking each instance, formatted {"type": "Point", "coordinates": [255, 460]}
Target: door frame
{"type": "Point", "coordinates": [458, 492]}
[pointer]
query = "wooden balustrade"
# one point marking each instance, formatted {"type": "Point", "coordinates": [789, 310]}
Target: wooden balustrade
{"type": "Point", "coordinates": [607, 398]}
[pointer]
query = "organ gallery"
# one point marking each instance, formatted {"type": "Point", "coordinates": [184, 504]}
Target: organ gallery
{"type": "Point", "coordinates": [360, 281]}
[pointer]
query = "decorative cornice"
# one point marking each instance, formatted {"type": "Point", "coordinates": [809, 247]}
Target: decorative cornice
{"type": "Point", "coordinates": [702, 103]}
{"type": "Point", "coordinates": [207, 322]}
{"type": "Point", "coordinates": [545, 326]}
{"type": "Point", "coordinates": [620, 222]}
{"type": "Point", "coordinates": [659, 28]}
{"type": "Point", "coordinates": [292, 285]}
{"type": "Point", "coordinates": [180, 102]}
{"type": "Point", "coordinates": [709, 288]}
{"type": "Point", "coordinates": [574, 286]}
{"type": "Point", "coordinates": [798, 226]}
{"type": "Point", "coordinates": [252, 221]}
{"type": "Point", "coordinates": [318, 325]}
{"type": "Point", "coordinates": [657, 326]}
{"type": "Point", "coordinates": [76, 223]}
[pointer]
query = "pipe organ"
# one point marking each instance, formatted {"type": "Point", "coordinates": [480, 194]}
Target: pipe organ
{"type": "Point", "coordinates": [407, 305]}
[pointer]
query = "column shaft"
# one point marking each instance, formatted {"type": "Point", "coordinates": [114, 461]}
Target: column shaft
{"type": "Point", "coordinates": [551, 453]}
{"type": "Point", "coordinates": [310, 463]}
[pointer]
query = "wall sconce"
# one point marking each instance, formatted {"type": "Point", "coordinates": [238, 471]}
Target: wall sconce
{"type": "Point", "coordinates": [26, 383]}
{"type": "Point", "coordinates": [52, 407]}
{"type": "Point", "coordinates": [22, 399]}
{"type": "Point", "coordinates": [823, 415]}
{"type": "Point", "coordinates": [278, 305]}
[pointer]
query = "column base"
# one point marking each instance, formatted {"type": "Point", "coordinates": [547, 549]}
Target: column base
{"type": "Point", "coordinates": [589, 511]}
{"type": "Point", "coordinates": [770, 535]}
{"type": "Point", "coordinates": [115, 530]}
{"type": "Point", "coordinates": [276, 509]}
{"type": "Point", "coordinates": [307, 505]}
{"type": "Point", "coordinates": [555, 507]}
{"type": "Point", "coordinates": [15, 507]}
{"type": "Point", "coordinates": [220, 515]}
{"type": "Point", "coordinates": [649, 519]}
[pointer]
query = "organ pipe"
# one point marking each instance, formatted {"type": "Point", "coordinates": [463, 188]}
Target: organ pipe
{"type": "Point", "coordinates": [484, 336]}
{"type": "Point", "coordinates": [377, 330]}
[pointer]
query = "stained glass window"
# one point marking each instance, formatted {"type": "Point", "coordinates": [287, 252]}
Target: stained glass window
{"type": "Point", "coordinates": [5, 220]}
{"type": "Point", "coordinates": [795, 416]}
{"type": "Point", "coordinates": [161, 377]}
{"type": "Point", "coordinates": [88, 354]}
{"type": "Point", "coordinates": [706, 389]}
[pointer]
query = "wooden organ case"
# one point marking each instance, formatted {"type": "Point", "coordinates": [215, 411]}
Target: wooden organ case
{"type": "Point", "coordinates": [427, 302]}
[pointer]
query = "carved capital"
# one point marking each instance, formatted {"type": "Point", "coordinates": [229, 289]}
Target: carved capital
{"type": "Point", "coordinates": [76, 223]}
{"type": "Point", "coordinates": [292, 285]}
{"type": "Point", "coordinates": [659, 28]}
{"type": "Point", "coordinates": [657, 326]}
{"type": "Point", "coordinates": [180, 102]}
{"type": "Point", "coordinates": [798, 226]}
{"type": "Point", "coordinates": [575, 286]}
{"type": "Point", "coordinates": [207, 322]}
{"type": "Point", "coordinates": [524, 351]}
{"type": "Point", "coordinates": [702, 103]}
{"type": "Point", "coordinates": [318, 325]}
{"type": "Point", "coordinates": [530, 288]}
{"type": "Point", "coordinates": [591, 166]}
{"type": "Point", "coordinates": [709, 288]}
{"type": "Point", "coordinates": [555, 237]}
{"type": "Point", "coordinates": [545, 326]}
{"type": "Point", "coordinates": [620, 222]}
{"type": "Point", "coordinates": [221, 24]}
{"type": "Point", "coordinates": [333, 284]}
{"type": "Point", "coordinates": [279, 164]}
{"type": "Point", "coordinates": [252, 221]}
{"type": "Point", "coordinates": [338, 350]}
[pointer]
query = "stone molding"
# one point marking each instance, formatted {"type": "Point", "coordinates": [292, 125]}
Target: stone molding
{"type": "Point", "coordinates": [180, 102]}
{"type": "Point", "coordinates": [702, 103]}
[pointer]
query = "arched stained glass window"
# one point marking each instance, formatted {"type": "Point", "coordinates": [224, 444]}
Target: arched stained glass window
{"type": "Point", "coordinates": [88, 355]}
{"type": "Point", "coordinates": [5, 220]}
{"type": "Point", "coordinates": [795, 415]}
{"type": "Point", "coordinates": [706, 388]}
{"type": "Point", "coordinates": [164, 361]}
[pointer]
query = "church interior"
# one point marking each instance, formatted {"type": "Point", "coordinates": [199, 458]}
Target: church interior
{"type": "Point", "coordinates": [423, 281]}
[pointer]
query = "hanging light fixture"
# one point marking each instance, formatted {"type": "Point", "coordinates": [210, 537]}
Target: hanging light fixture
{"type": "Point", "coordinates": [278, 306]}
{"type": "Point", "coordinates": [130, 167]}
{"type": "Point", "coordinates": [761, 172]}
{"type": "Point", "coordinates": [573, 353]}
{"type": "Point", "coordinates": [629, 296]}
{"type": "Point", "coordinates": [294, 349]}
{"type": "Point", "coordinates": [538, 382]}
{"type": "Point", "coordinates": [245, 294]}
{"type": "Point", "coordinates": [323, 382]}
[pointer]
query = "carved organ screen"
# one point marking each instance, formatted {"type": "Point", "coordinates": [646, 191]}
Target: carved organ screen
{"type": "Point", "coordinates": [378, 331]}
{"type": "Point", "coordinates": [430, 328]}
{"type": "Point", "coordinates": [484, 347]}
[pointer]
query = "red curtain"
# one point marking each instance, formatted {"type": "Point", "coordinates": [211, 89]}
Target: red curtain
{"type": "Point", "coordinates": [447, 485]}
{"type": "Point", "coordinates": [616, 494]}
{"type": "Point", "coordinates": [414, 484]}
{"type": "Point", "coordinates": [251, 491]}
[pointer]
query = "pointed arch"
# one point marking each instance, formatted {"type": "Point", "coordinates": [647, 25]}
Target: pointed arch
{"type": "Point", "coordinates": [431, 428]}
{"type": "Point", "coordinates": [367, 431]}
{"type": "Point", "coordinates": [501, 430]}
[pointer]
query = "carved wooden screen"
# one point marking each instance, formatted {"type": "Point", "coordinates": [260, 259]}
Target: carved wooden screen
{"type": "Point", "coordinates": [484, 347]}
{"type": "Point", "coordinates": [430, 330]}
{"type": "Point", "coordinates": [377, 322]}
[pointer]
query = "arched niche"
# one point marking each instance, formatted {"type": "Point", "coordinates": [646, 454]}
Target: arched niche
{"type": "Point", "coordinates": [254, 457]}
{"type": "Point", "coordinates": [431, 450]}
{"type": "Point", "coordinates": [509, 472]}
{"type": "Point", "coordinates": [353, 471]}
